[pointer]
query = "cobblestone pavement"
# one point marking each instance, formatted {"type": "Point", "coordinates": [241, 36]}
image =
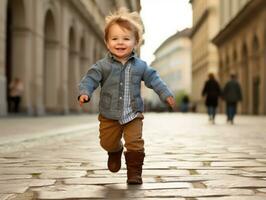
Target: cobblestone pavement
{"type": "Point", "coordinates": [186, 159]}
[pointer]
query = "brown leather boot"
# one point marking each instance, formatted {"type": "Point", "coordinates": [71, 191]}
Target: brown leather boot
{"type": "Point", "coordinates": [134, 161]}
{"type": "Point", "coordinates": [114, 160]}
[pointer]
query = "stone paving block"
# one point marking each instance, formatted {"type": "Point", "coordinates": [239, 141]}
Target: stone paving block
{"type": "Point", "coordinates": [186, 164]}
{"type": "Point", "coordinates": [157, 165]}
{"type": "Point", "coordinates": [61, 174]}
{"type": "Point", "coordinates": [195, 178]}
{"type": "Point", "coordinates": [111, 175]}
{"type": "Point", "coordinates": [155, 199]}
{"type": "Point", "coordinates": [189, 193]}
{"type": "Point", "coordinates": [207, 168]}
{"type": "Point", "coordinates": [152, 186]}
{"type": "Point", "coordinates": [13, 188]}
{"type": "Point", "coordinates": [12, 177]}
{"type": "Point", "coordinates": [227, 155]}
{"type": "Point", "coordinates": [234, 198]}
{"type": "Point", "coordinates": [162, 173]}
{"type": "Point", "coordinates": [95, 181]}
{"type": "Point", "coordinates": [106, 172]}
{"type": "Point", "coordinates": [71, 192]}
{"type": "Point", "coordinates": [6, 196]}
{"type": "Point", "coordinates": [11, 161]}
{"type": "Point", "coordinates": [255, 174]}
{"type": "Point", "coordinates": [214, 171]}
{"type": "Point", "coordinates": [256, 169]}
{"type": "Point", "coordinates": [24, 196]}
{"type": "Point", "coordinates": [51, 165]}
{"type": "Point", "coordinates": [261, 160]}
{"type": "Point", "coordinates": [146, 172]}
{"type": "Point", "coordinates": [116, 176]}
{"type": "Point", "coordinates": [262, 190]}
{"type": "Point", "coordinates": [21, 170]}
{"type": "Point", "coordinates": [30, 182]}
{"type": "Point", "coordinates": [244, 163]}
{"type": "Point", "coordinates": [236, 182]}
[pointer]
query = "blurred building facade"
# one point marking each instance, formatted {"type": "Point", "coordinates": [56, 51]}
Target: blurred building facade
{"type": "Point", "coordinates": [204, 52]}
{"type": "Point", "coordinates": [173, 64]}
{"type": "Point", "coordinates": [50, 44]}
{"type": "Point", "coordinates": [241, 43]}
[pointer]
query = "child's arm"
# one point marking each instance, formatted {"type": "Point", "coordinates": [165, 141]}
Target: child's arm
{"type": "Point", "coordinates": [89, 83]}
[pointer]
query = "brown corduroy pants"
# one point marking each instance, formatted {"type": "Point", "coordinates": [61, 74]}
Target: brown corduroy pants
{"type": "Point", "coordinates": [111, 133]}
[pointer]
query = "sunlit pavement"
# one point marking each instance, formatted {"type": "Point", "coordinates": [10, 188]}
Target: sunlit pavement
{"type": "Point", "coordinates": [187, 158]}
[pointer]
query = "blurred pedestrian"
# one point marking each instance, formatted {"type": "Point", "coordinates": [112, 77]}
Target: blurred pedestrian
{"type": "Point", "coordinates": [16, 90]}
{"type": "Point", "coordinates": [184, 105]}
{"type": "Point", "coordinates": [121, 107]}
{"type": "Point", "coordinates": [211, 91]}
{"type": "Point", "coordinates": [232, 94]}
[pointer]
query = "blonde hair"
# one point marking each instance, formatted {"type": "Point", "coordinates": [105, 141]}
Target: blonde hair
{"type": "Point", "coordinates": [125, 19]}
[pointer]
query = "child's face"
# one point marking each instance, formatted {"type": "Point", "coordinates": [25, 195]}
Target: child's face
{"type": "Point", "coordinates": [120, 42]}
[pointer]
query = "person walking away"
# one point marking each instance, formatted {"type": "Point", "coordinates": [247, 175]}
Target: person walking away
{"type": "Point", "coordinates": [211, 91]}
{"type": "Point", "coordinates": [121, 108]}
{"type": "Point", "coordinates": [16, 90]}
{"type": "Point", "coordinates": [184, 105]}
{"type": "Point", "coordinates": [232, 94]}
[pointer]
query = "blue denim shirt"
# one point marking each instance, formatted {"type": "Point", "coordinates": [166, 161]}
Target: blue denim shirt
{"type": "Point", "coordinates": [110, 74]}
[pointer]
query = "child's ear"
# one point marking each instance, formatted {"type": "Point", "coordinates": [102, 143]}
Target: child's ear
{"type": "Point", "coordinates": [136, 45]}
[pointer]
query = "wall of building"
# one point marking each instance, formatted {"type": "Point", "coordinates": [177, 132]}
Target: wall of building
{"type": "Point", "coordinates": [204, 53]}
{"type": "Point", "coordinates": [50, 44]}
{"type": "Point", "coordinates": [229, 9]}
{"type": "Point", "coordinates": [173, 64]}
{"type": "Point", "coordinates": [242, 50]}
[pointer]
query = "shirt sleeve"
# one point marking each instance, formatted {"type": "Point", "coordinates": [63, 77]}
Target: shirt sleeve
{"type": "Point", "coordinates": [90, 81]}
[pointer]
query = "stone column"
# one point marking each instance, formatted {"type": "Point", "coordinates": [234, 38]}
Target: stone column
{"type": "Point", "coordinates": [250, 86]}
{"type": "Point", "coordinates": [63, 98]}
{"type": "Point", "coordinates": [21, 62]}
{"type": "Point", "coordinates": [262, 62]}
{"type": "Point", "coordinates": [3, 98]}
{"type": "Point", "coordinates": [93, 104]}
{"type": "Point", "coordinates": [37, 81]}
{"type": "Point", "coordinates": [73, 79]}
{"type": "Point", "coordinates": [51, 76]}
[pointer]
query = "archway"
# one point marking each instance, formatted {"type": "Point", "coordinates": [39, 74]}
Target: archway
{"type": "Point", "coordinates": [244, 78]}
{"type": "Point", "coordinates": [235, 64]}
{"type": "Point", "coordinates": [49, 69]}
{"type": "Point", "coordinates": [83, 58]}
{"type": "Point", "coordinates": [255, 77]}
{"type": "Point", "coordinates": [15, 46]}
{"type": "Point", "coordinates": [72, 71]}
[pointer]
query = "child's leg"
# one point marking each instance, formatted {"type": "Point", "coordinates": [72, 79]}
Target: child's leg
{"type": "Point", "coordinates": [110, 134]}
{"type": "Point", "coordinates": [133, 135]}
{"type": "Point", "coordinates": [110, 139]}
{"type": "Point", "coordinates": [135, 150]}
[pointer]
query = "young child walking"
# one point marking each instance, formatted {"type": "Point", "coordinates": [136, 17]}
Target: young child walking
{"type": "Point", "coordinates": [121, 108]}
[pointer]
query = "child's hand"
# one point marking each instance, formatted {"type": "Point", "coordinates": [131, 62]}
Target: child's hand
{"type": "Point", "coordinates": [83, 99]}
{"type": "Point", "coordinates": [171, 102]}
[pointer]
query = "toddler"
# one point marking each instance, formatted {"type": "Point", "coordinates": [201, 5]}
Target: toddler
{"type": "Point", "coordinates": [121, 108]}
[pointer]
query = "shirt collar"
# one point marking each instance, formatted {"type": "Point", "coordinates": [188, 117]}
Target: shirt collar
{"type": "Point", "coordinates": [133, 55]}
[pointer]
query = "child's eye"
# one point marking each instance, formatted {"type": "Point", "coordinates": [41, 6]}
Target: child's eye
{"type": "Point", "coordinates": [126, 38]}
{"type": "Point", "coordinates": [114, 38]}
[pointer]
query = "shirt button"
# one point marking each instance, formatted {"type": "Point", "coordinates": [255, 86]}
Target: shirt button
{"type": "Point", "coordinates": [120, 97]}
{"type": "Point", "coordinates": [121, 83]}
